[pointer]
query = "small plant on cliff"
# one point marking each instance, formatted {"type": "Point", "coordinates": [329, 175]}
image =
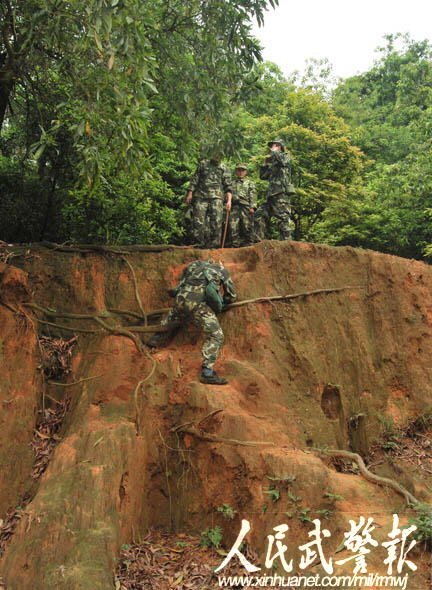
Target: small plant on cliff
{"type": "Point", "coordinates": [285, 479]}
{"type": "Point", "coordinates": [389, 433]}
{"type": "Point", "coordinates": [274, 493]}
{"type": "Point", "coordinates": [227, 511]}
{"type": "Point", "coordinates": [423, 522]}
{"type": "Point", "coordinates": [293, 498]}
{"type": "Point", "coordinates": [211, 537]}
{"type": "Point", "coordinates": [333, 497]}
{"type": "Point", "coordinates": [303, 515]}
{"type": "Point", "coordinates": [325, 513]}
{"type": "Point", "coordinates": [421, 423]}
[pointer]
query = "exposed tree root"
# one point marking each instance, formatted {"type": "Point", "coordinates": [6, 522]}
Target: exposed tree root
{"type": "Point", "coordinates": [69, 328]}
{"type": "Point", "coordinates": [291, 296]}
{"type": "Point", "coordinates": [92, 248]}
{"type": "Point", "coordinates": [122, 332]}
{"type": "Point", "coordinates": [137, 295]}
{"type": "Point", "coordinates": [74, 382]}
{"type": "Point", "coordinates": [125, 312]}
{"type": "Point", "coordinates": [227, 441]}
{"type": "Point", "coordinates": [372, 477]}
{"type": "Point", "coordinates": [194, 429]}
{"type": "Point", "coordinates": [130, 331]}
{"type": "Point", "coordinates": [140, 386]}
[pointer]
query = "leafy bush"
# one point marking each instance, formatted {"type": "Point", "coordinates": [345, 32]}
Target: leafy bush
{"type": "Point", "coordinates": [423, 522]}
{"type": "Point", "coordinates": [227, 511]}
{"type": "Point", "coordinates": [212, 537]}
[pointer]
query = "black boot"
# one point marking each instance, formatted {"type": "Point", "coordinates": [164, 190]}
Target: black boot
{"type": "Point", "coordinates": [211, 377]}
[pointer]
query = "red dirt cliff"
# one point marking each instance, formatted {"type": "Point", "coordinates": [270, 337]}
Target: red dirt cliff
{"type": "Point", "coordinates": [300, 373]}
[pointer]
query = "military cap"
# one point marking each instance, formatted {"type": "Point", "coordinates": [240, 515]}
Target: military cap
{"type": "Point", "coordinates": [241, 167]}
{"type": "Point", "coordinates": [279, 141]}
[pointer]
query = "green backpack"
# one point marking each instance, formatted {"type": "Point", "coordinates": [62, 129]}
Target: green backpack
{"type": "Point", "coordinates": [213, 297]}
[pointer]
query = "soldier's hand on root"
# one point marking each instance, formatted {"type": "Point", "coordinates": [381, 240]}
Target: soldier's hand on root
{"type": "Point", "coordinates": [189, 198]}
{"type": "Point", "coordinates": [251, 210]}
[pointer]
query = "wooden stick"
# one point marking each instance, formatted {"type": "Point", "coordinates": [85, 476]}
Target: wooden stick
{"type": "Point", "coordinates": [226, 228]}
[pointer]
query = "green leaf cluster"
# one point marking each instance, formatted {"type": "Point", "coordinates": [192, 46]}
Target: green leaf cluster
{"type": "Point", "coordinates": [104, 106]}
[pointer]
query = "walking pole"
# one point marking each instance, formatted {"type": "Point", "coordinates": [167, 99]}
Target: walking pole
{"type": "Point", "coordinates": [226, 228]}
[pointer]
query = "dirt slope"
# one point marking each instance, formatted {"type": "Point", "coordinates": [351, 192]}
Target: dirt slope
{"type": "Point", "coordinates": [300, 373]}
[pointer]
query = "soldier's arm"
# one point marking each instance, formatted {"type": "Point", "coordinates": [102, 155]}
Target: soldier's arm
{"type": "Point", "coordinates": [252, 196]}
{"type": "Point", "coordinates": [227, 187]}
{"type": "Point", "coordinates": [226, 181]}
{"type": "Point", "coordinates": [193, 183]}
{"type": "Point", "coordinates": [280, 159]}
{"type": "Point", "coordinates": [264, 171]}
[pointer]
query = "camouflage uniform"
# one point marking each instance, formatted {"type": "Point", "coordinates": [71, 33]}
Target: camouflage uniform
{"type": "Point", "coordinates": [209, 184]}
{"type": "Point", "coordinates": [277, 170]}
{"type": "Point", "coordinates": [190, 304]}
{"type": "Point", "coordinates": [241, 220]}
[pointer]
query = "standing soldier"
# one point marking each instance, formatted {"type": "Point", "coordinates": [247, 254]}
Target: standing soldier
{"type": "Point", "coordinates": [277, 170]}
{"type": "Point", "coordinates": [209, 186]}
{"type": "Point", "coordinates": [243, 208]}
{"type": "Point", "coordinates": [198, 299]}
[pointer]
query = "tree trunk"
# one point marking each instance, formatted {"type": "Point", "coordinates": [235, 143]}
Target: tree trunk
{"type": "Point", "coordinates": [6, 85]}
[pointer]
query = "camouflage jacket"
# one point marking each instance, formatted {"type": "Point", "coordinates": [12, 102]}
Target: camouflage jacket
{"type": "Point", "coordinates": [210, 181]}
{"type": "Point", "coordinates": [277, 170]}
{"type": "Point", "coordinates": [196, 277]}
{"type": "Point", "coordinates": [244, 192]}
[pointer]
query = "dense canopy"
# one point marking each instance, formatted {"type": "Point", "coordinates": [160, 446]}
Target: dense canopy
{"type": "Point", "coordinates": [106, 106]}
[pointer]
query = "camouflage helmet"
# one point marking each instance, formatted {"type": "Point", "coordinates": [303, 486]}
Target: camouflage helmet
{"type": "Point", "coordinates": [241, 167]}
{"type": "Point", "coordinates": [279, 141]}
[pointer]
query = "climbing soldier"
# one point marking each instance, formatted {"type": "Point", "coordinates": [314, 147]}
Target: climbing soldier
{"type": "Point", "coordinates": [209, 187]}
{"type": "Point", "coordinates": [241, 219]}
{"type": "Point", "coordinates": [277, 171]}
{"type": "Point", "coordinates": [198, 299]}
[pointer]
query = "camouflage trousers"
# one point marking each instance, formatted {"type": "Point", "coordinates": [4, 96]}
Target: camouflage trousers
{"type": "Point", "coordinates": [207, 222]}
{"type": "Point", "coordinates": [201, 315]}
{"type": "Point", "coordinates": [279, 207]}
{"type": "Point", "coordinates": [241, 225]}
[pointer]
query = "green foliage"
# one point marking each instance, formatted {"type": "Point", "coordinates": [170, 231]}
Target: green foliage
{"type": "Point", "coordinates": [293, 498]}
{"type": "Point", "coordinates": [106, 105]}
{"type": "Point", "coordinates": [121, 212]}
{"type": "Point", "coordinates": [325, 513]}
{"type": "Point", "coordinates": [421, 423]}
{"type": "Point", "coordinates": [304, 515]}
{"type": "Point", "coordinates": [389, 110]}
{"type": "Point", "coordinates": [274, 493]}
{"type": "Point", "coordinates": [423, 522]}
{"type": "Point", "coordinates": [100, 121]}
{"type": "Point", "coordinates": [326, 166]}
{"type": "Point", "coordinates": [333, 497]}
{"type": "Point", "coordinates": [390, 435]}
{"type": "Point", "coordinates": [211, 537]}
{"type": "Point", "coordinates": [227, 511]}
{"type": "Point", "coordinates": [284, 479]}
